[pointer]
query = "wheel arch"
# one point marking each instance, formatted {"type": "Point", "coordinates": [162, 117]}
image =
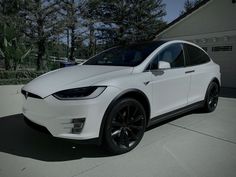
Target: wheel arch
{"type": "Point", "coordinates": [214, 79]}
{"type": "Point", "coordinates": [130, 93]}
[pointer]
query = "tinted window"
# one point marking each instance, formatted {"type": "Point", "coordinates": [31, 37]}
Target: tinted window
{"type": "Point", "coordinates": [131, 55]}
{"type": "Point", "coordinates": [172, 54]}
{"type": "Point", "coordinates": [205, 48]}
{"type": "Point", "coordinates": [195, 56]}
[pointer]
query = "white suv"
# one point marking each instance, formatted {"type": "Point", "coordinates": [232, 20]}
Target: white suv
{"type": "Point", "coordinates": [116, 94]}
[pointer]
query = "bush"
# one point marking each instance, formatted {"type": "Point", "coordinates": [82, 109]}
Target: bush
{"type": "Point", "coordinates": [14, 81]}
{"type": "Point", "coordinates": [18, 77]}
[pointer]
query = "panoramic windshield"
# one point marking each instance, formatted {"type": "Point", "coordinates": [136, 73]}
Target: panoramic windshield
{"type": "Point", "coordinates": [131, 55]}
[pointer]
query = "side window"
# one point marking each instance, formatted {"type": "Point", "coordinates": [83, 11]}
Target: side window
{"type": "Point", "coordinates": [154, 64]}
{"type": "Point", "coordinates": [174, 55]}
{"type": "Point", "coordinates": [195, 56]}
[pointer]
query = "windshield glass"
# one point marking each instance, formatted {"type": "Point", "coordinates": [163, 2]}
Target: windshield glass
{"type": "Point", "coordinates": [131, 55]}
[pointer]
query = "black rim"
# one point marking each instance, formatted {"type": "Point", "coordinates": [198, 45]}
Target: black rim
{"type": "Point", "coordinates": [213, 97]}
{"type": "Point", "coordinates": [127, 126]}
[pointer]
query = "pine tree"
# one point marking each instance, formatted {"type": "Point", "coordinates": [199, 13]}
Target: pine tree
{"type": "Point", "coordinates": [72, 12]}
{"type": "Point", "coordinates": [189, 4]}
{"type": "Point", "coordinates": [11, 25]}
{"type": "Point", "coordinates": [129, 20]}
{"type": "Point", "coordinates": [42, 23]}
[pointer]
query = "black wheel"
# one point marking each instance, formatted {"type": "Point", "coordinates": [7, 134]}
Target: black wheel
{"type": "Point", "coordinates": [125, 126]}
{"type": "Point", "coordinates": [211, 98]}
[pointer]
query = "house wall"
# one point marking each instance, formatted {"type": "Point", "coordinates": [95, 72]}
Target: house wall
{"type": "Point", "coordinates": [213, 24]}
{"type": "Point", "coordinates": [215, 16]}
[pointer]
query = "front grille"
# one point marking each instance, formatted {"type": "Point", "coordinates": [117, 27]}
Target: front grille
{"type": "Point", "coordinates": [28, 94]}
{"type": "Point", "coordinates": [37, 127]}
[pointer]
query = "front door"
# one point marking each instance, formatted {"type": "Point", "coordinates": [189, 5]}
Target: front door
{"type": "Point", "coordinates": [170, 86]}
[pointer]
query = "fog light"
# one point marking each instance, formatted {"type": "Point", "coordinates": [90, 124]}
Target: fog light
{"type": "Point", "coordinates": [78, 125]}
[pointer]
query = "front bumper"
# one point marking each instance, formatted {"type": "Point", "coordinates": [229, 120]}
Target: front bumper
{"type": "Point", "coordinates": [57, 115]}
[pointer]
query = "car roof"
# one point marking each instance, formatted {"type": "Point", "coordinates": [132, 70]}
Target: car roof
{"type": "Point", "coordinates": [145, 43]}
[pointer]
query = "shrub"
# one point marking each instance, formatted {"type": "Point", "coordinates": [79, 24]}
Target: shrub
{"type": "Point", "coordinates": [18, 77]}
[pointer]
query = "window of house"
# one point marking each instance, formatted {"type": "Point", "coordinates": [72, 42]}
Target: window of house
{"type": "Point", "coordinates": [222, 48]}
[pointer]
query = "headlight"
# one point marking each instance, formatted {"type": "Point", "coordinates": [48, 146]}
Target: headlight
{"type": "Point", "coordinates": [80, 93]}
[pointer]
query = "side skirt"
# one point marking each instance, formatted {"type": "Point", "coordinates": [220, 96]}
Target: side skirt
{"type": "Point", "coordinates": [175, 113]}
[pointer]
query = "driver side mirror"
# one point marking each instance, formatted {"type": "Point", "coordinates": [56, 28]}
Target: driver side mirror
{"type": "Point", "coordinates": [163, 65]}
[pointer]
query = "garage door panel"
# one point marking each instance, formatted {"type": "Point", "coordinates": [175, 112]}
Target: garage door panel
{"type": "Point", "coordinates": [227, 62]}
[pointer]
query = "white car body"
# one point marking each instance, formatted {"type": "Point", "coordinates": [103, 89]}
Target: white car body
{"type": "Point", "coordinates": [167, 91]}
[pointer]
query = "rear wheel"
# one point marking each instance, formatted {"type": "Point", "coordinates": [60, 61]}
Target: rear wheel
{"type": "Point", "coordinates": [125, 126]}
{"type": "Point", "coordinates": [211, 99]}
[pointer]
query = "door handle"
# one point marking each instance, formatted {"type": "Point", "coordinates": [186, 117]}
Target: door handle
{"type": "Point", "coordinates": [146, 83]}
{"type": "Point", "coordinates": [191, 71]}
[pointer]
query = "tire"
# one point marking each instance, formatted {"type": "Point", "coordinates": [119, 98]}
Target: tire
{"type": "Point", "coordinates": [124, 126]}
{"type": "Point", "coordinates": [211, 98]}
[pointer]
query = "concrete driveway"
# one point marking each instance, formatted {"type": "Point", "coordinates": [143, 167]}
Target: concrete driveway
{"type": "Point", "coordinates": [196, 145]}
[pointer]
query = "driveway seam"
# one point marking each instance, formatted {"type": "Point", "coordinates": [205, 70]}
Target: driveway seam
{"type": "Point", "coordinates": [185, 128]}
{"type": "Point", "coordinates": [87, 170]}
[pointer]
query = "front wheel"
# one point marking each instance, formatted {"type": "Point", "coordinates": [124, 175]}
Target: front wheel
{"type": "Point", "coordinates": [211, 98]}
{"type": "Point", "coordinates": [125, 126]}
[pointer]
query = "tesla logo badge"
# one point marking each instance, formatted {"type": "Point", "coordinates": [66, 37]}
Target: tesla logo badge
{"type": "Point", "coordinates": [146, 83]}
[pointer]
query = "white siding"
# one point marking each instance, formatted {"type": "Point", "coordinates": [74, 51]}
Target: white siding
{"type": "Point", "coordinates": [215, 16]}
{"type": "Point", "coordinates": [213, 24]}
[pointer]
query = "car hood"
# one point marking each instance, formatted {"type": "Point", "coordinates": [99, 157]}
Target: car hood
{"type": "Point", "coordinates": [73, 77]}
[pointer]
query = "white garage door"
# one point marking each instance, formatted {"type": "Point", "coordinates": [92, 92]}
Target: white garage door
{"type": "Point", "coordinates": [224, 54]}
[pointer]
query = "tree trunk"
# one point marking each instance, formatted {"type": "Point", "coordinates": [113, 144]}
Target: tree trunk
{"type": "Point", "coordinates": [40, 43]}
{"type": "Point", "coordinates": [6, 63]}
{"type": "Point", "coordinates": [68, 42]}
{"type": "Point", "coordinates": [91, 40]}
{"type": "Point", "coordinates": [6, 59]}
{"type": "Point", "coordinates": [72, 47]}
{"type": "Point", "coordinates": [41, 52]}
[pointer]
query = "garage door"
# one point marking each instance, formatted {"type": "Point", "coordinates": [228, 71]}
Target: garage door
{"type": "Point", "coordinates": [224, 54]}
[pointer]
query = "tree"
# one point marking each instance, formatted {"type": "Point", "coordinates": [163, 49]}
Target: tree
{"type": "Point", "coordinates": [129, 20]}
{"type": "Point", "coordinates": [72, 12]}
{"type": "Point", "coordinates": [43, 22]}
{"type": "Point", "coordinates": [196, 2]}
{"type": "Point", "coordinates": [13, 49]}
{"type": "Point", "coordinates": [189, 4]}
{"type": "Point", "coordinates": [10, 32]}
